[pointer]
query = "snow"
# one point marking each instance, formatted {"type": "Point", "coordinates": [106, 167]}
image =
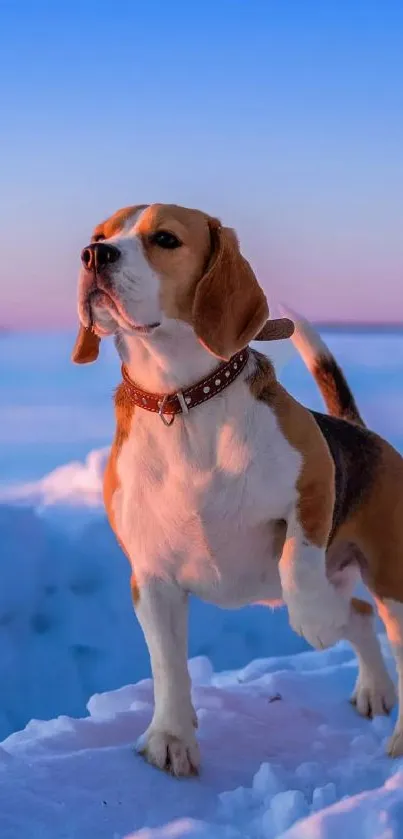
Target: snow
{"type": "Point", "coordinates": [284, 754]}
{"type": "Point", "coordinates": [73, 484]}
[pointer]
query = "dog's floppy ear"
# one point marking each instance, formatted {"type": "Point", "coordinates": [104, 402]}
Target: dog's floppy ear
{"type": "Point", "coordinates": [229, 307]}
{"type": "Point", "coordinates": [86, 348]}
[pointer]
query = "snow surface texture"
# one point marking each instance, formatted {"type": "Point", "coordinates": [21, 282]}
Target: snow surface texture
{"type": "Point", "coordinates": [284, 754]}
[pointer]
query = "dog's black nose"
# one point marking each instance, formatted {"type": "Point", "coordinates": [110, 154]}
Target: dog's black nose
{"type": "Point", "coordinates": [98, 255]}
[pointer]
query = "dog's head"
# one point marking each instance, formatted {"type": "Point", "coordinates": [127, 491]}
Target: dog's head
{"type": "Point", "coordinates": [147, 264]}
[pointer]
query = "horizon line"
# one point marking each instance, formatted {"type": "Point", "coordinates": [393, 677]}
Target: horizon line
{"type": "Point", "coordinates": [320, 324]}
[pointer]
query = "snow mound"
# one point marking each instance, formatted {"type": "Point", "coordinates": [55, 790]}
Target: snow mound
{"type": "Point", "coordinates": [284, 755]}
{"type": "Point", "coordinates": [75, 484]}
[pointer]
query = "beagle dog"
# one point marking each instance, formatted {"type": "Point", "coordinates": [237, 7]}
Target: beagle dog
{"type": "Point", "coordinates": [219, 483]}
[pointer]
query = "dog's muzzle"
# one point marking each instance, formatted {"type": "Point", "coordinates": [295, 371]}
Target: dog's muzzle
{"type": "Point", "coordinates": [98, 256]}
{"type": "Point", "coordinates": [95, 282]}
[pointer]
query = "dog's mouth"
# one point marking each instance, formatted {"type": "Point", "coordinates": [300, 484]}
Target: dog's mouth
{"type": "Point", "coordinates": [106, 300]}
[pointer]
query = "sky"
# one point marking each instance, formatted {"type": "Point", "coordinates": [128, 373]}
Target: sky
{"type": "Point", "coordinates": [282, 117]}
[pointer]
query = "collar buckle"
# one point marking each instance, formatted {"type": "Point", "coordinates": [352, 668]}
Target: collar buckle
{"type": "Point", "coordinates": [182, 402]}
{"type": "Point", "coordinates": [161, 412]}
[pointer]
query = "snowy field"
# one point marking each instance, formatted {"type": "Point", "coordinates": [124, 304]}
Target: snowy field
{"type": "Point", "coordinates": [284, 754]}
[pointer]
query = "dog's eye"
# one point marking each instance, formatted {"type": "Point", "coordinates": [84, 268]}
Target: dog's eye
{"type": "Point", "coordinates": [164, 239]}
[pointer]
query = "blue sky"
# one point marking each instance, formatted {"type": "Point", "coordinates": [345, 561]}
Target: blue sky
{"type": "Point", "coordinates": [283, 117]}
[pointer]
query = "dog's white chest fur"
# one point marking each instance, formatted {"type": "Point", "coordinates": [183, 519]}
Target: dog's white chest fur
{"type": "Point", "coordinates": [198, 502]}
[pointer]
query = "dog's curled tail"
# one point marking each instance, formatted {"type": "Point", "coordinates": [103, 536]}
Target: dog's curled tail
{"type": "Point", "coordinates": [329, 377]}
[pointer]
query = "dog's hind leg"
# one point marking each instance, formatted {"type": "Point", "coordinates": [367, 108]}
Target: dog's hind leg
{"type": "Point", "coordinates": [391, 612]}
{"type": "Point", "coordinates": [379, 528]}
{"type": "Point", "coordinates": [374, 693]}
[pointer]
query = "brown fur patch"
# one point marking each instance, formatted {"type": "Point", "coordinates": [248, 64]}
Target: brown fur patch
{"type": "Point", "coordinates": [379, 526]}
{"type": "Point", "coordinates": [315, 485]}
{"type": "Point", "coordinates": [112, 225]}
{"type": "Point", "coordinates": [276, 329]}
{"type": "Point", "coordinates": [86, 348]}
{"type": "Point", "coordinates": [124, 411]}
{"type": "Point", "coordinates": [229, 307]}
{"type": "Point", "coordinates": [135, 590]}
{"type": "Point", "coordinates": [361, 607]}
{"type": "Point", "coordinates": [335, 391]}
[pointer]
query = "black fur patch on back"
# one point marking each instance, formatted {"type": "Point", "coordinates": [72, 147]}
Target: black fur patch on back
{"type": "Point", "coordinates": [333, 386]}
{"type": "Point", "coordinates": [356, 453]}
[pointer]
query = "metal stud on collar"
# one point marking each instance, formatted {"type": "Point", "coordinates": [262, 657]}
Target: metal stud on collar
{"type": "Point", "coordinates": [166, 406]}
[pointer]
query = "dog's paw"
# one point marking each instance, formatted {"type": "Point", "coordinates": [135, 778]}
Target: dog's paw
{"type": "Point", "coordinates": [320, 617]}
{"type": "Point", "coordinates": [395, 744]}
{"type": "Point", "coordinates": [178, 755]}
{"type": "Point", "coordinates": [374, 697]}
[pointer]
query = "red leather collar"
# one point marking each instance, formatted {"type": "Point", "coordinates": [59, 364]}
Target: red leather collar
{"type": "Point", "coordinates": [167, 405]}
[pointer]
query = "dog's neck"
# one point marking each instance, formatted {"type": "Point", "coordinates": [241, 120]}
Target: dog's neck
{"type": "Point", "coordinates": [169, 360]}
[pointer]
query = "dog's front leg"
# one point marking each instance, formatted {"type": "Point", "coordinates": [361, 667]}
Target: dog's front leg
{"type": "Point", "coordinates": [317, 609]}
{"type": "Point", "coordinates": [169, 742]}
